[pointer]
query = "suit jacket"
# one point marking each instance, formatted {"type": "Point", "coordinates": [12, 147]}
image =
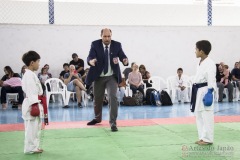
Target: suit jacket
{"type": "Point", "coordinates": [97, 51]}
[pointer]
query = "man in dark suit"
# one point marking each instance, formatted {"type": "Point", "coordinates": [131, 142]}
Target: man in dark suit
{"type": "Point", "coordinates": [105, 73]}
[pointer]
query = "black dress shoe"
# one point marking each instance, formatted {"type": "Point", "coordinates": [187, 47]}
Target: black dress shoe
{"type": "Point", "coordinates": [14, 106]}
{"type": "Point", "coordinates": [114, 128]}
{"type": "Point", "coordinates": [67, 106]}
{"type": "Point", "coordinates": [80, 105]}
{"type": "Point", "coordinates": [230, 101]}
{"type": "Point", "coordinates": [93, 122]}
{"type": "Point", "coordinates": [220, 101]}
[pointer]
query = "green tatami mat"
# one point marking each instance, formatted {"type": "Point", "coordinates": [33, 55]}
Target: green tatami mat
{"type": "Point", "coordinates": [159, 142]}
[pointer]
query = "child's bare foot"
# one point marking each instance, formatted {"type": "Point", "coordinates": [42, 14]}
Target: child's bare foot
{"type": "Point", "coordinates": [38, 151]}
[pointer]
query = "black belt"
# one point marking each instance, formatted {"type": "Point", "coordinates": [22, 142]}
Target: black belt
{"type": "Point", "coordinates": [194, 94]}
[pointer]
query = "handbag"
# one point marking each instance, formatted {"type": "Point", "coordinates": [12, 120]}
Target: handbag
{"type": "Point", "coordinates": [129, 101]}
{"type": "Point", "coordinates": [35, 111]}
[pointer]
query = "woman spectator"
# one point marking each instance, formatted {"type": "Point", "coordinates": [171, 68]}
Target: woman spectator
{"type": "Point", "coordinates": [145, 75]}
{"type": "Point", "coordinates": [43, 76]}
{"type": "Point", "coordinates": [23, 70]}
{"type": "Point", "coordinates": [135, 80]}
{"type": "Point", "coordinates": [47, 68]}
{"type": "Point", "coordinates": [11, 85]}
{"type": "Point", "coordinates": [226, 73]}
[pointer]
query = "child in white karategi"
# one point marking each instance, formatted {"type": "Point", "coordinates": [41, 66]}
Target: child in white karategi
{"type": "Point", "coordinates": [181, 87]}
{"type": "Point", "coordinates": [202, 94]}
{"type": "Point", "coordinates": [32, 88]}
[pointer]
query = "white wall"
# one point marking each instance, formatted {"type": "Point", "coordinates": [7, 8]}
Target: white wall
{"type": "Point", "coordinates": [130, 14]}
{"type": "Point", "coordinates": [161, 49]}
{"type": "Point", "coordinates": [75, 13]}
{"type": "Point", "coordinates": [19, 12]}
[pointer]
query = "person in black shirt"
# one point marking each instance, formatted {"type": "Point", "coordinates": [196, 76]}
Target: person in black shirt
{"type": "Point", "coordinates": [8, 89]}
{"type": "Point", "coordinates": [229, 86]}
{"type": "Point", "coordinates": [127, 71]}
{"type": "Point", "coordinates": [145, 75]}
{"type": "Point", "coordinates": [78, 63]}
{"type": "Point", "coordinates": [65, 70]}
{"type": "Point", "coordinates": [236, 74]}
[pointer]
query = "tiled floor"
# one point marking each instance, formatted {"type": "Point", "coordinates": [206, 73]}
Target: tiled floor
{"type": "Point", "coordinates": [58, 114]}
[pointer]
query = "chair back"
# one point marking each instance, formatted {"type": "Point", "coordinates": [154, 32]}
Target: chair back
{"type": "Point", "coordinates": [188, 80]}
{"type": "Point", "coordinates": [157, 82]}
{"type": "Point", "coordinates": [192, 78]}
{"type": "Point", "coordinates": [171, 82]}
{"type": "Point", "coordinates": [54, 85]}
{"type": "Point", "coordinates": [128, 91]}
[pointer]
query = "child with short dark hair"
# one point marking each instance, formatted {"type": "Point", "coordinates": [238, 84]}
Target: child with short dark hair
{"type": "Point", "coordinates": [202, 93]}
{"type": "Point", "coordinates": [32, 87]}
{"type": "Point", "coordinates": [65, 70]}
{"type": "Point", "coordinates": [181, 87]}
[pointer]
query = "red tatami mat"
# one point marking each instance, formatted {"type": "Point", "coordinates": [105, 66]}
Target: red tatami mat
{"type": "Point", "coordinates": [120, 123]}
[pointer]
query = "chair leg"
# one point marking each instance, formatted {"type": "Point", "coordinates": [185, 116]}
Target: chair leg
{"type": "Point", "coordinates": [216, 95]}
{"type": "Point", "coordinates": [236, 92]}
{"type": "Point", "coordinates": [84, 97]}
{"type": "Point", "coordinates": [63, 98]}
{"type": "Point", "coordinates": [67, 97]}
{"type": "Point", "coordinates": [173, 95]}
{"type": "Point", "coordinates": [48, 99]}
{"type": "Point", "coordinates": [53, 98]}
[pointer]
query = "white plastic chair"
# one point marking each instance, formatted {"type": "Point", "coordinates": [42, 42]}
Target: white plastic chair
{"type": "Point", "coordinates": [68, 95]}
{"type": "Point", "coordinates": [216, 93]}
{"type": "Point", "coordinates": [189, 83]}
{"type": "Point", "coordinates": [128, 91]}
{"type": "Point", "coordinates": [235, 92]}
{"type": "Point", "coordinates": [56, 87]}
{"type": "Point", "coordinates": [171, 87]}
{"type": "Point", "coordinates": [158, 83]}
{"type": "Point", "coordinates": [12, 96]}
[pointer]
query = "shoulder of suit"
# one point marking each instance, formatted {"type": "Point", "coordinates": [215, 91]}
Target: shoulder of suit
{"type": "Point", "coordinates": [97, 41]}
{"type": "Point", "coordinates": [100, 41]}
{"type": "Point", "coordinates": [115, 42]}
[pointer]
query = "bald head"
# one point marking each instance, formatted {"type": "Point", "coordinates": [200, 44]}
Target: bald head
{"type": "Point", "coordinates": [106, 35]}
{"type": "Point", "coordinates": [105, 30]}
{"type": "Point", "coordinates": [222, 63]}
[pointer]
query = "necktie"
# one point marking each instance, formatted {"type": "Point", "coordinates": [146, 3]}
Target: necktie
{"type": "Point", "coordinates": [106, 59]}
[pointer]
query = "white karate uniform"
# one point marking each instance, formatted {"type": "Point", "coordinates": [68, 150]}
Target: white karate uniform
{"type": "Point", "coordinates": [206, 72]}
{"type": "Point", "coordinates": [181, 94]}
{"type": "Point", "coordinates": [32, 88]}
